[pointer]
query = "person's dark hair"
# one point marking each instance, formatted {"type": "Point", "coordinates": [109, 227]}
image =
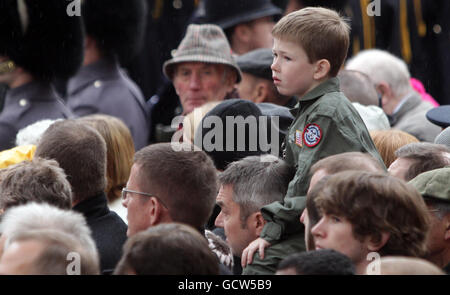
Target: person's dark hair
{"type": "Point", "coordinates": [168, 249]}
{"type": "Point", "coordinates": [184, 179]}
{"type": "Point", "coordinates": [81, 152]}
{"type": "Point", "coordinates": [321, 262]}
{"type": "Point", "coordinates": [425, 156]}
{"type": "Point", "coordinates": [347, 161]}
{"type": "Point", "coordinates": [39, 180]}
{"type": "Point", "coordinates": [257, 181]}
{"type": "Point", "coordinates": [377, 203]}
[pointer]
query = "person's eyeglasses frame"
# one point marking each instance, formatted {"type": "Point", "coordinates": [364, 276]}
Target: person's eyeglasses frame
{"type": "Point", "coordinates": [125, 191]}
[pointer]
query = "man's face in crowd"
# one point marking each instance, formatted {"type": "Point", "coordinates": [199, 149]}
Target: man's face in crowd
{"type": "Point", "coordinates": [246, 88]}
{"type": "Point", "coordinates": [399, 167]}
{"type": "Point", "coordinates": [197, 83]}
{"type": "Point", "coordinates": [336, 232]}
{"type": "Point", "coordinates": [439, 234]}
{"type": "Point", "coordinates": [238, 235]}
{"type": "Point", "coordinates": [138, 206]}
{"type": "Point", "coordinates": [261, 36]}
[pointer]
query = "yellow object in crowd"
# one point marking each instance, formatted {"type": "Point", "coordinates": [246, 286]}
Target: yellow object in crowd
{"type": "Point", "coordinates": [16, 155]}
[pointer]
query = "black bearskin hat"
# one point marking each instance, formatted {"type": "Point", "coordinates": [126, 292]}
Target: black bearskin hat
{"type": "Point", "coordinates": [41, 37]}
{"type": "Point", "coordinates": [117, 25]}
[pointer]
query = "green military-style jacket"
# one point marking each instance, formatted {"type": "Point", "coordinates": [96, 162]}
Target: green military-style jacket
{"type": "Point", "coordinates": [325, 124]}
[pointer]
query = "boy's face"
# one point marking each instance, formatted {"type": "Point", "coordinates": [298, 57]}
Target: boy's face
{"type": "Point", "coordinates": [291, 70]}
{"type": "Point", "coordinates": [335, 232]}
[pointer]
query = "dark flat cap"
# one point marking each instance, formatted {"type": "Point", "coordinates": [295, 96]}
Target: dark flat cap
{"type": "Point", "coordinates": [257, 62]}
{"type": "Point", "coordinates": [440, 116]}
{"type": "Point", "coordinates": [433, 184]}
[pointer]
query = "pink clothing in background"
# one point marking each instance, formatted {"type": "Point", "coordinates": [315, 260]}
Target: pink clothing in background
{"type": "Point", "coordinates": [418, 86]}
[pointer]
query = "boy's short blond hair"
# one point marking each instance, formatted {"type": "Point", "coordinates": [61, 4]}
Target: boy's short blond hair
{"type": "Point", "coordinates": [321, 32]}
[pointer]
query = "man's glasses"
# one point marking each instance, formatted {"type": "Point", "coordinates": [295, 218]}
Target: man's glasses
{"type": "Point", "coordinates": [125, 191]}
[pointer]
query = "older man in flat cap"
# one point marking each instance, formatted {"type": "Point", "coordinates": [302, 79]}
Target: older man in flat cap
{"type": "Point", "coordinates": [434, 187]}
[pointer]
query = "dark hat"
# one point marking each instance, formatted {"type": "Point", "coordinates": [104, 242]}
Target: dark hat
{"type": "Point", "coordinates": [41, 37]}
{"type": "Point", "coordinates": [118, 25]}
{"type": "Point", "coordinates": [440, 116]}
{"type": "Point", "coordinates": [230, 108]}
{"type": "Point", "coordinates": [228, 13]}
{"type": "Point", "coordinates": [433, 184]}
{"type": "Point", "coordinates": [257, 63]}
{"type": "Point", "coordinates": [203, 43]}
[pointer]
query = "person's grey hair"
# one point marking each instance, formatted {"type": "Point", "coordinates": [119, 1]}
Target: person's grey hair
{"type": "Point", "coordinates": [426, 156]}
{"type": "Point", "coordinates": [35, 216]}
{"type": "Point", "coordinates": [381, 66]}
{"type": "Point", "coordinates": [358, 87]}
{"type": "Point", "coordinates": [257, 181]}
{"type": "Point", "coordinates": [443, 137]}
{"type": "Point", "coordinates": [59, 247]}
{"type": "Point", "coordinates": [31, 134]}
{"type": "Point", "coordinates": [39, 180]}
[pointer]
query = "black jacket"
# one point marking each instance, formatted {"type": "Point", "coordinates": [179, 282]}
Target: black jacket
{"type": "Point", "coordinates": [108, 230]}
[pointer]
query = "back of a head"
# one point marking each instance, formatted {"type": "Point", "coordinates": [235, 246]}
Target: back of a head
{"type": "Point", "coordinates": [377, 203]}
{"type": "Point", "coordinates": [388, 141]}
{"type": "Point", "coordinates": [358, 87]}
{"type": "Point", "coordinates": [396, 265]}
{"type": "Point", "coordinates": [301, 27]}
{"type": "Point", "coordinates": [320, 262]}
{"type": "Point", "coordinates": [257, 181]}
{"type": "Point", "coordinates": [39, 180]}
{"type": "Point", "coordinates": [424, 157]}
{"type": "Point", "coordinates": [57, 248]}
{"type": "Point", "coordinates": [381, 66]}
{"type": "Point", "coordinates": [35, 217]}
{"type": "Point", "coordinates": [168, 249]}
{"type": "Point", "coordinates": [184, 179]}
{"type": "Point", "coordinates": [81, 152]}
{"type": "Point", "coordinates": [120, 150]}
{"type": "Point", "coordinates": [348, 161]}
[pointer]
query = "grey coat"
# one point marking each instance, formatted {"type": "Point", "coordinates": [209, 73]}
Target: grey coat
{"type": "Point", "coordinates": [102, 87]}
{"type": "Point", "coordinates": [27, 104]}
{"type": "Point", "coordinates": [411, 119]}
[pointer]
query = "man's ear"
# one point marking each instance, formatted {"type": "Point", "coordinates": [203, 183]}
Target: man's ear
{"type": "Point", "coordinates": [259, 222]}
{"type": "Point", "coordinates": [386, 92]}
{"type": "Point", "coordinates": [322, 69]}
{"type": "Point", "coordinates": [156, 215]}
{"type": "Point", "coordinates": [261, 91]}
{"type": "Point", "coordinates": [446, 221]}
{"type": "Point", "coordinates": [376, 242]}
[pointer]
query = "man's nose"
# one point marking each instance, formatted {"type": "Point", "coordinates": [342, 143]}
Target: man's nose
{"type": "Point", "coordinates": [219, 220]}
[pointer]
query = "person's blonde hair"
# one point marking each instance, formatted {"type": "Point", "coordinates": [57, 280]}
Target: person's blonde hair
{"type": "Point", "coordinates": [388, 141]}
{"type": "Point", "coordinates": [119, 154]}
{"type": "Point", "coordinates": [321, 32]}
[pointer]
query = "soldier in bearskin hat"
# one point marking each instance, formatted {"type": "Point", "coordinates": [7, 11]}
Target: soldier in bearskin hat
{"type": "Point", "coordinates": [38, 42]}
{"type": "Point", "coordinates": [114, 32]}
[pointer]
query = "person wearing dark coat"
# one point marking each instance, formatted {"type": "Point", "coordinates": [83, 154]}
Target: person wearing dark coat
{"type": "Point", "coordinates": [38, 42]}
{"type": "Point", "coordinates": [114, 33]}
{"type": "Point", "coordinates": [81, 151]}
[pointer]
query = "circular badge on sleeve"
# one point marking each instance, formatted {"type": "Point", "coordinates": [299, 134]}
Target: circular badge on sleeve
{"type": "Point", "coordinates": [312, 135]}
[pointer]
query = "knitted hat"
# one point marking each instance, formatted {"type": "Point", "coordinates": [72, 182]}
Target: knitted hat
{"type": "Point", "coordinates": [202, 43]}
{"type": "Point", "coordinates": [443, 137]}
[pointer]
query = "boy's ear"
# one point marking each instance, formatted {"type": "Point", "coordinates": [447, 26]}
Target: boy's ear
{"type": "Point", "coordinates": [376, 242]}
{"type": "Point", "coordinates": [322, 69]}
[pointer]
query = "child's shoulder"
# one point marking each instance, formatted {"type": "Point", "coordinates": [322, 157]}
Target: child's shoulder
{"type": "Point", "coordinates": [333, 103]}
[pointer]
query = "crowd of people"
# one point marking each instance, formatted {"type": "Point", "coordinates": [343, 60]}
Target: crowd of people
{"type": "Point", "coordinates": [302, 141]}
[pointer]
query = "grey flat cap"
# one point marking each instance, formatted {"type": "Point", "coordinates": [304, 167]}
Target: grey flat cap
{"type": "Point", "coordinates": [257, 62]}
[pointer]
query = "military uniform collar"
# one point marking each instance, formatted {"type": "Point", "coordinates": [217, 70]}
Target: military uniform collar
{"type": "Point", "coordinates": [102, 69]}
{"type": "Point", "coordinates": [330, 85]}
{"type": "Point", "coordinates": [34, 90]}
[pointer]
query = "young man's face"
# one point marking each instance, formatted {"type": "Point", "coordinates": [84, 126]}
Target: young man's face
{"type": "Point", "coordinates": [197, 83]}
{"type": "Point", "coordinates": [229, 218]}
{"type": "Point", "coordinates": [138, 210]}
{"type": "Point", "coordinates": [291, 70]}
{"type": "Point", "coordinates": [334, 232]}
